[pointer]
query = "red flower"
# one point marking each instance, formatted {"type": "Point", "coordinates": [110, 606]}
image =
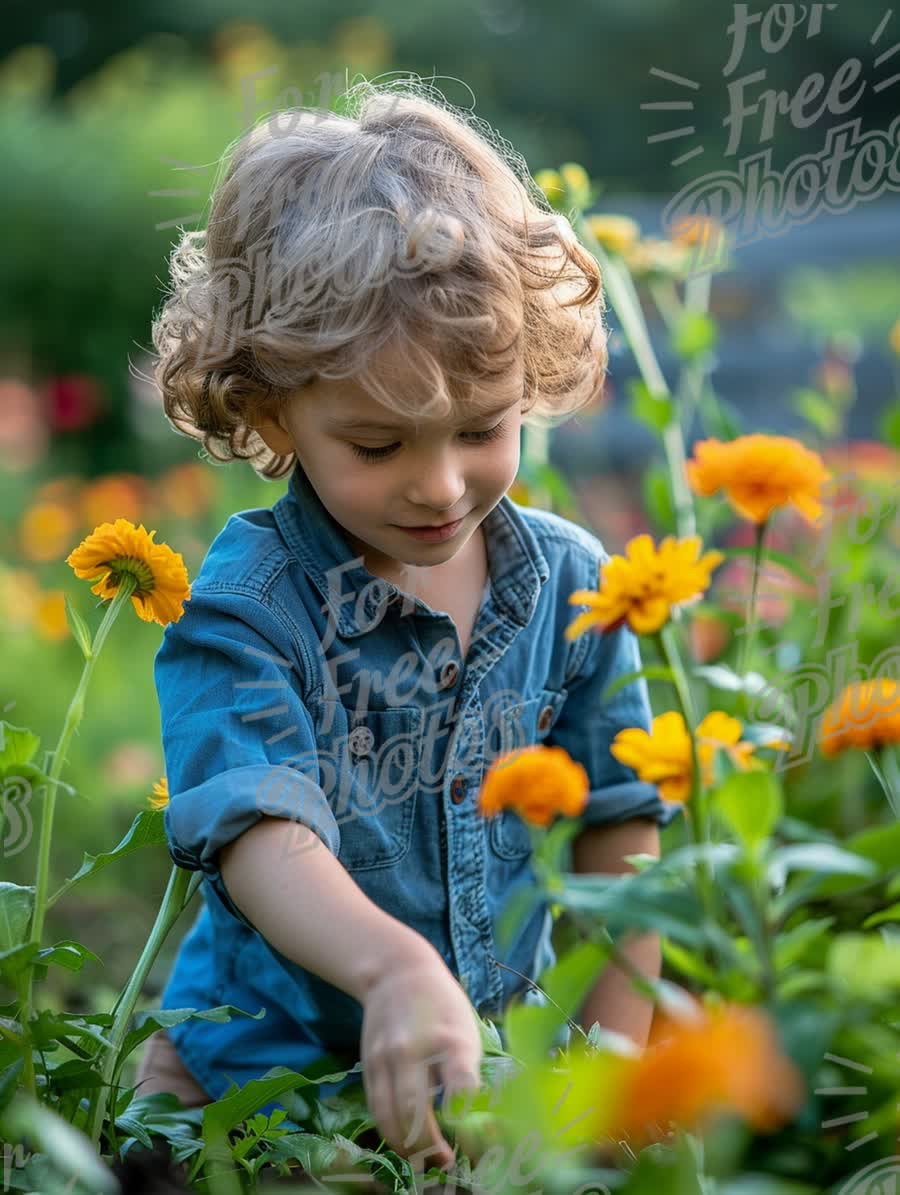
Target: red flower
{"type": "Point", "coordinates": [73, 402]}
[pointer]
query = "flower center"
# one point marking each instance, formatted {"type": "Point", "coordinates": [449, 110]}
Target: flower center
{"type": "Point", "coordinates": [138, 569]}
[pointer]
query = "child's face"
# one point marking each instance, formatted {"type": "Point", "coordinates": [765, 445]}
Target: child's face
{"type": "Point", "coordinates": [425, 472]}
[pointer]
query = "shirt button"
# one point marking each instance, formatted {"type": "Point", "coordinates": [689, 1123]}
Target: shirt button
{"type": "Point", "coordinates": [458, 790]}
{"type": "Point", "coordinates": [545, 720]}
{"type": "Point", "coordinates": [360, 740]}
{"type": "Point", "coordinates": [448, 674]}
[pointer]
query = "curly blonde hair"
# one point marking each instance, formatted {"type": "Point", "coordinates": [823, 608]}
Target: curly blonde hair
{"type": "Point", "coordinates": [398, 222]}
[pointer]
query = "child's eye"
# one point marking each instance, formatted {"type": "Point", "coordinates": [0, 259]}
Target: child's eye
{"type": "Point", "coordinates": [374, 454]}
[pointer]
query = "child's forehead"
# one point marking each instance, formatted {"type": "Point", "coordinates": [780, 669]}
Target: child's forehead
{"type": "Point", "coordinates": [356, 400]}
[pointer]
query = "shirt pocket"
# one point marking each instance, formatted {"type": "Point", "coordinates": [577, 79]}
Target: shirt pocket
{"type": "Point", "coordinates": [523, 725]}
{"type": "Point", "coordinates": [377, 782]}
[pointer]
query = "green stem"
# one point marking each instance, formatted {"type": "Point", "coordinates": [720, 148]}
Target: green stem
{"type": "Point", "coordinates": [878, 762]}
{"type": "Point", "coordinates": [74, 715]}
{"type": "Point", "coordinates": [752, 614]}
{"type": "Point", "coordinates": [179, 890]}
{"type": "Point", "coordinates": [620, 287]}
{"type": "Point", "coordinates": [669, 652]}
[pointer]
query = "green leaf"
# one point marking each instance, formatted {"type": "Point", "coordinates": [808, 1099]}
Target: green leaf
{"type": "Point", "coordinates": [818, 857]}
{"type": "Point", "coordinates": [892, 913]}
{"type": "Point", "coordinates": [651, 672]}
{"type": "Point", "coordinates": [889, 425]}
{"type": "Point", "coordinates": [688, 963]}
{"type": "Point", "coordinates": [148, 1021]}
{"type": "Point", "coordinates": [147, 829]}
{"type": "Point", "coordinates": [880, 845]}
{"type": "Point", "coordinates": [694, 336]}
{"type": "Point", "coordinates": [79, 629]}
{"type": "Point", "coordinates": [816, 410]}
{"type": "Point", "coordinates": [791, 945]}
{"type": "Point", "coordinates": [654, 411]}
{"type": "Point", "coordinates": [866, 966]}
{"type": "Point", "coordinates": [16, 905]}
{"type": "Point", "coordinates": [236, 1106]}
{"type": "Point", "coordinates": [70, 1150]}
{"type": "Point", "coordinates": [656, 490]}
{"type": "Point", "coordinates": [17, 745]}
{"type": "Point", "coordinates": [71, 955]}
{"type": "Point", "coordinates": [751, 804]}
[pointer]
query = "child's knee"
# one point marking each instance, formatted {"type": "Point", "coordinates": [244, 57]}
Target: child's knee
{"type": "Point", "coordinates": [161, 1069]}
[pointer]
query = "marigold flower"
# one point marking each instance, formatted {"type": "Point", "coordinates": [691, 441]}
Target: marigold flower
{"type": "Point", "coordinates": [551, 183]}
{"type": "Point", "coordinates": [536, 782]}
{"type": "Point", "coordinates": [697, 230]}
{"type": "Point", "coordinates": [160, 797]}
{"type": "Point", "coordinates": [866, 716]}
{"type": "Point", "coordinates": [124, 493]}
{"type": "Point", "coordinates": [114, 549]}
{"type": "Point", "coordinates": [663, 757]}
{"type": "Point", "coordinates": [50, 620]}
{"type": "Point", "coordinates": [655, 256]}
{"type": "Point", "coordinates": [46, 529]}
{"type": "Point", "coordinates": [759, 474]}
{"type": "Point", "coordinates": [618, 234]}
{"type": "Point", "coordinates": [726, 1062]}
{"type": "Point", "coordinates": [187, 490]}
{"type": "Point", "coordinates": [642, 587]}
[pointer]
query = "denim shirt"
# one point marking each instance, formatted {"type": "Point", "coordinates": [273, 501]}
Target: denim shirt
{"type": "Point", "coordinates": [299, 685]}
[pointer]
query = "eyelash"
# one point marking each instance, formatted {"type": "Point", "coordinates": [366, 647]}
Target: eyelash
{"type": "Point", "coordinates": [375, 454]}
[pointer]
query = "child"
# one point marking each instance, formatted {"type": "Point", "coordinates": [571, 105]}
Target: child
{"type": "Point", "coordinates": [376, 304]}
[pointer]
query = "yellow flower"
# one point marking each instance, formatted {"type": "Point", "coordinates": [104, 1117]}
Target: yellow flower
{"type": "Point", "coordinates": [552, 184]}
{"type": "Point", "coordinates": [576, 179]}
{"type": "Point", "coordinates": [655, 256]}
{"type": "Point", "coordinates": [866, 716]}
{"type": "Point", "coordinates": [664, 758]}
{"type": "Point", "coordinates": [759, 474]}
{"type": "Point", "coordinates": [894, 338]}
{"type": "Point", "coordinates": [50, 620]}
{"type": "Point", "coordinates": [618, 234]}
{"type": "Point", "coordinates": [642, 587]}
{"type": "Point", "coordinates": [726, 1061]}
{"type": "Point", "coordinates": [45, 531]}
{"type": "Point", "coordinates": [536, 782]}
{"type": "Point", "coordinates": [116, 548]}
{"type": "Point", "coordinates": [160, 798]}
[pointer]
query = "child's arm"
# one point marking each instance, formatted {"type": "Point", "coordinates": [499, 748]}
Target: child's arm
{"type": "Point", "coordinates": [308, 906]}
{"type": "Point", "coordinates": [614, 1001]}
{"type": "Point", "coordinates": [417, 1021]}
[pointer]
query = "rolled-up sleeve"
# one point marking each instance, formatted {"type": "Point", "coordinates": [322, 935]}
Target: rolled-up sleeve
{"type": "Point", "coordinates": [586, 728]}
{"type": "Point", "coordinates": [238, 740]}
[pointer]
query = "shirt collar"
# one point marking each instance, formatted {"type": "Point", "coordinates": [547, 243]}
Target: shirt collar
{"type": "Point", "coordinates": [518, 567]}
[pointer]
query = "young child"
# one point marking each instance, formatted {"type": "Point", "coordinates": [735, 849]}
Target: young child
{"type": "Point", "coordinates": [378, 301]}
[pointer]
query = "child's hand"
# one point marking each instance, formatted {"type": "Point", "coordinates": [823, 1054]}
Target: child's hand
{"type": "Point", "coordinates": [417, 1023]}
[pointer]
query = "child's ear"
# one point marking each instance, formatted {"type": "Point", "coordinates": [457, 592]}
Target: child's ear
{"type": "Point", "coordinates": [269, 422]}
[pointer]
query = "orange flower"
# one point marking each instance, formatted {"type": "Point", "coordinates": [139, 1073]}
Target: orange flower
{"type": "Point", "coordinates": [642, 587]}
{"type": "Point", "coordinates": [122, 495]}
{"type": "Point", "coordinates": [20, 595]}
{"type": "Point", "coordinates": [160, 798]}
{"type": "Point", "coordinates": [759, 474]}
{"type": "Point", "coordinates": [187, 490]}
{"type": "Point", "coordinates": [663, 757]}
{"type": "Point", "coordinates": [117, 548]}
{"type": "Point", "coordinates": [698, 230]}
{"type": "Point", "coordinates": [50, 616]}
{"type": "Point", "coordinates": [536, 782]}
{"type": "Point", "coordinates": [866, 716]}
{"type": "Point", "coordinates": [728, 1061]}
{"type": "Point", "coordinates": [46, 529]}
{"type": "Point", "coordinates": [617, 234]}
